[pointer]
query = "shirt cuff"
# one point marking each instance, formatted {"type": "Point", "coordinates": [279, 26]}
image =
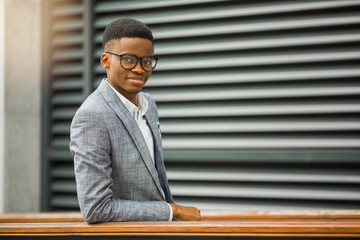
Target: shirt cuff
{"type": "Point", "coordinates": [171, 213]}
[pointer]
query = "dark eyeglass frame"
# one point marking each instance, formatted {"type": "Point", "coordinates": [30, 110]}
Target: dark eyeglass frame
{"type": "Point", "coordinates": [137, 59]}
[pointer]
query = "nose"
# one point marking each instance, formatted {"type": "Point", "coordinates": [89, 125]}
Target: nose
{"type": "Point", "coordinates": [138, 68]}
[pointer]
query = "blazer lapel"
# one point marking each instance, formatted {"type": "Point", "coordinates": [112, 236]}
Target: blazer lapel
{"type": "Point", "coordinates": [159, 161]}
{"type": "Point", "coordinates": [119, 108]}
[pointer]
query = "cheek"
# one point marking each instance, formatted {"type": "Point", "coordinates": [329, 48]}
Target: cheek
{"type": "Point", "coordinates": [117, 70]}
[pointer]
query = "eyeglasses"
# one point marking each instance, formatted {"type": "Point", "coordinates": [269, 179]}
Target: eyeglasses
{"type": "Point", "coordinates": [128, 61]}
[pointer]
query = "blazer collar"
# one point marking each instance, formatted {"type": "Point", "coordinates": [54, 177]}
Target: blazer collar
{"type": "Point", "coordinates": [129, 122]}
{"type": "Point", "coordinates": [152, 120]}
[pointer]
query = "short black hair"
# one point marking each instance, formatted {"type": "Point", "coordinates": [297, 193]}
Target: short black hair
{"type": "Point", "coordinates": [126, 27]}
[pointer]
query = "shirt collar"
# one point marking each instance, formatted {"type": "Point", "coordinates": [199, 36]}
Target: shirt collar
{"type": "Point", "coordinates": [136, 110]}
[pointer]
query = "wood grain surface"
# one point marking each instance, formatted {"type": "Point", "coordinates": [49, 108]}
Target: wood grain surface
{"type": "Point", "coordinates": [327, 223]}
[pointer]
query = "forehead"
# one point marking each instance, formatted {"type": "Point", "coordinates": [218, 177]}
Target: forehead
{"type": "Point", "coordinates": [137, 46]}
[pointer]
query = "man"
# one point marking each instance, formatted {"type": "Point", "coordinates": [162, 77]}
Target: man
{"type": "Point", "coordinates": [115, 137]}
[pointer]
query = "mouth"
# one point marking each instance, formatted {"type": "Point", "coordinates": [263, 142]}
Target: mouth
{"type": "Point", "coordinates": [137, 81]}
{"type": "Point", "coordinates": [136, 78]}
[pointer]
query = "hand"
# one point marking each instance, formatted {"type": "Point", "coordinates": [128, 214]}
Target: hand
{"type": "Point", "coordinates": [182, 213]}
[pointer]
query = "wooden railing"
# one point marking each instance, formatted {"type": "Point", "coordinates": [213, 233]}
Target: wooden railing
{"type": "Point", "coordinates": [275, 224]}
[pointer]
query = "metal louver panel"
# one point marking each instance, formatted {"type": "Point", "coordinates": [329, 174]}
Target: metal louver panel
{"type": "Point", "coordinates": [258, 100]}
{"type": "Point", "coordinates": [66, 93]}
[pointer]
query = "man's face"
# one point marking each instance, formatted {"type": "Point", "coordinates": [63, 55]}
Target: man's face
{"type": "Point", "coordinates": [127, 82]}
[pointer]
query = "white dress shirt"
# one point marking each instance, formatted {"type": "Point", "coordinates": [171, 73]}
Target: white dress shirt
{"type": "Point", "coordinates": [138, 112]}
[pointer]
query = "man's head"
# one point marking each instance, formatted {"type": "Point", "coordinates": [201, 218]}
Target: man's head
{"type": "Point", "coordinates": [128, 56]}
{"type": "Point", "coordinates": [125, 28]}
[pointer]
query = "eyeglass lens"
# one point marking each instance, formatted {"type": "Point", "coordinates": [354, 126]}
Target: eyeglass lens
{"type": "Point", "coordinates": [129, 61]}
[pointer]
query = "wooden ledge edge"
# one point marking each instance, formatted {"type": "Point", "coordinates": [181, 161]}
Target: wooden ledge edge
{"type": "Point", "coordinates": [284, 214]}
{"type": "Point", "coordinates": [181, 234]}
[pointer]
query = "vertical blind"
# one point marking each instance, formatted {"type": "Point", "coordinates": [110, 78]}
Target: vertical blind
{"type": "Point", "coordinates": [258, 100]}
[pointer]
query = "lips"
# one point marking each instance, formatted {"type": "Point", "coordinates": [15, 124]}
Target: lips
{"type": "Point", "coordinates": [138, 78]}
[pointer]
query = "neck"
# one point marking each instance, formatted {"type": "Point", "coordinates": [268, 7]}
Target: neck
{"type": "Point", "coordinates": [132, 98]}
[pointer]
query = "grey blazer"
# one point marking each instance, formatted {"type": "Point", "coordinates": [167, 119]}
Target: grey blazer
{"type": "Point", "coordinates": [116, 179]}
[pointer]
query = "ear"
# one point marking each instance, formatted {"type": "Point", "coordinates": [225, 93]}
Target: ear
{"type": "Point", "coordinates": [105, 61]}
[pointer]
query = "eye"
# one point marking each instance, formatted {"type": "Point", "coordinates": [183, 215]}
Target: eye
{"type": "Point", "coordinates": [128, 59]}
{"type": "Point", "coordinates": [147, 61]}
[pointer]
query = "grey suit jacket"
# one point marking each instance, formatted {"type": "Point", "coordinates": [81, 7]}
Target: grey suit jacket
{"type": "Point", "coordinates": [116, 178]}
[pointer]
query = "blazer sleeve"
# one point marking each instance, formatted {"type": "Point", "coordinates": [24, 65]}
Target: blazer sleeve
{"type": "Point", "coordinates": [90, 144]}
